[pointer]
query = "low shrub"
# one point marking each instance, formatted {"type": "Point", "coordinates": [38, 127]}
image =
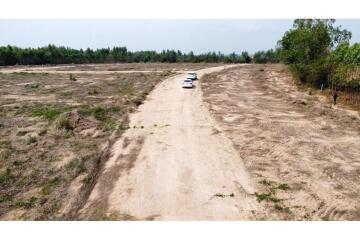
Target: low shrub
{"type": "Point", "coordinates": [63, 123]}
{"type": "Point", "coordinates": [72, 77]}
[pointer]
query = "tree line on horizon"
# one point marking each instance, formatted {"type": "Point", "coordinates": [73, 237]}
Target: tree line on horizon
{"type": "Point", "coordinates": [317, 52]}
{"type": "Point", "coordinates": [51, 54]}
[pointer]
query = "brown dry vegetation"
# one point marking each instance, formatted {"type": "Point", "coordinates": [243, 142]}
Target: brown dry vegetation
{"type": "Point", "coordinates": [303, 153]}
{"type": "Point", "coordinates": [347, 100]}
{"type": "Point", "coordinates": [55, 133]}
{"type": "Point", "coordinates": [117, 67]}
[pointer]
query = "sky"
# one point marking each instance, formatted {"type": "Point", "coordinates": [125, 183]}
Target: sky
{"type": "Point", "coordinates": [200, 36]}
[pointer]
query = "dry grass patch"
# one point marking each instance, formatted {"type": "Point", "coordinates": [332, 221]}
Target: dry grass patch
{"type": "Point", "coordinates": [46, 117]}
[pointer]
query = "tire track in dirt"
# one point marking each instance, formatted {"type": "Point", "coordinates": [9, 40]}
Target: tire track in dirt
{"type": "Point", "coordinates": [287, 136]}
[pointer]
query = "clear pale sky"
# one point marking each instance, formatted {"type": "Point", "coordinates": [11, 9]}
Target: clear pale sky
{"type": "Point", "coordinates": [233, 35]}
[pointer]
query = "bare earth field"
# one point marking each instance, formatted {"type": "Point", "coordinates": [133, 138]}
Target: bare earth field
{"type": "Point", "coordinates": [303, 153]}
{"type": "Point", "coordinates": [243, 144]}
{"type": "Point", "coordinates": [55, 133]}
{"type": "Point", "coordinates": [110, 67]}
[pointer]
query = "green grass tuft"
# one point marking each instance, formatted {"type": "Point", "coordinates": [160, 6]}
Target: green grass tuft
{"type": "Point", "coordinates": [266, 182]}
{"type": "Point", "coordinates": [77, 165]}
{"type": "Point", "coordinates": [32, 85]}
{"type": "Point", "coordinates": [283, 186]}
{"type": "Point", "coordinates": [48, 186]}
{"type": "Point", "coordinates": [46, 112]}
{"type": "Point", "coordinates": [268, 197]}
{"type": "Point", "coordinates": [6, 176]}
{"type": "Point", "coordinates": [26, 203]}
{"type": "Point", "coordinates": [281, 208]}
{"type": "Point", "coordinates": [63, 123]}
{"type": "Point", "coordinates": [72, 77]}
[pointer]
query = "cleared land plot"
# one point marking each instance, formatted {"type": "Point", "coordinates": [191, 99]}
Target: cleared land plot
{"type": "Point", "coordinates": [256, 149]}
{"type": "Point", "coordinates": [111, 67]}
{"type": "Point", "coordinates": [55, 132]}
{"type": "Point", "coordinates": [303, 153]}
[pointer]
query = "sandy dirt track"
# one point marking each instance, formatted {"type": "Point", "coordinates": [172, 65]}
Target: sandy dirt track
{"type": "Point", "coordinates": [173, 164]}
{"type": "Point", "coordinates": [247, 145]}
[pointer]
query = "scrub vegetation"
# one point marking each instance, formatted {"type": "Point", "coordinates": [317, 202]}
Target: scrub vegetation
{"type": "Point", "coordinates": [320, 56]}
{"type": "Point", "coordinates": [54, 137]}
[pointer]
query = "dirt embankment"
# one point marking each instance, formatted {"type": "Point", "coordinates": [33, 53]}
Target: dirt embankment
{"type": "Point", "coordinates": [303, 153]}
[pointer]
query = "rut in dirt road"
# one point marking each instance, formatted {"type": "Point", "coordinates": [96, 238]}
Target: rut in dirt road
{"type": "Point", "coordinates": [173, 164]}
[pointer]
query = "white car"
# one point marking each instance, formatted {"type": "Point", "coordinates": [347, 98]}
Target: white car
{"type": "Point", "coordinates": [192, 75]}
{"type": "Point", "coordinates": [187, 83]}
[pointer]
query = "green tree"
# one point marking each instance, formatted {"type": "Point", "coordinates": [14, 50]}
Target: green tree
{"type": "Point", "coordinates": [245, 57]}
{"type": "Point", "coordinates": [306, 46]}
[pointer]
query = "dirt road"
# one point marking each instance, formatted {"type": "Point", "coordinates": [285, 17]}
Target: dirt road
{"type": "Point", "coordinates": [173, 164]}
{"type": "Point", "coordinates": [247, 145]}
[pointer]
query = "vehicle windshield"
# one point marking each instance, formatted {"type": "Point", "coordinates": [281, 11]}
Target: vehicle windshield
{"type": "Point", "coordinates": [187, 81]}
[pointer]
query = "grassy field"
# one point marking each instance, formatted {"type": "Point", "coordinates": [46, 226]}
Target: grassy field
{"type": "Point", "coordinates": [55, 133]}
